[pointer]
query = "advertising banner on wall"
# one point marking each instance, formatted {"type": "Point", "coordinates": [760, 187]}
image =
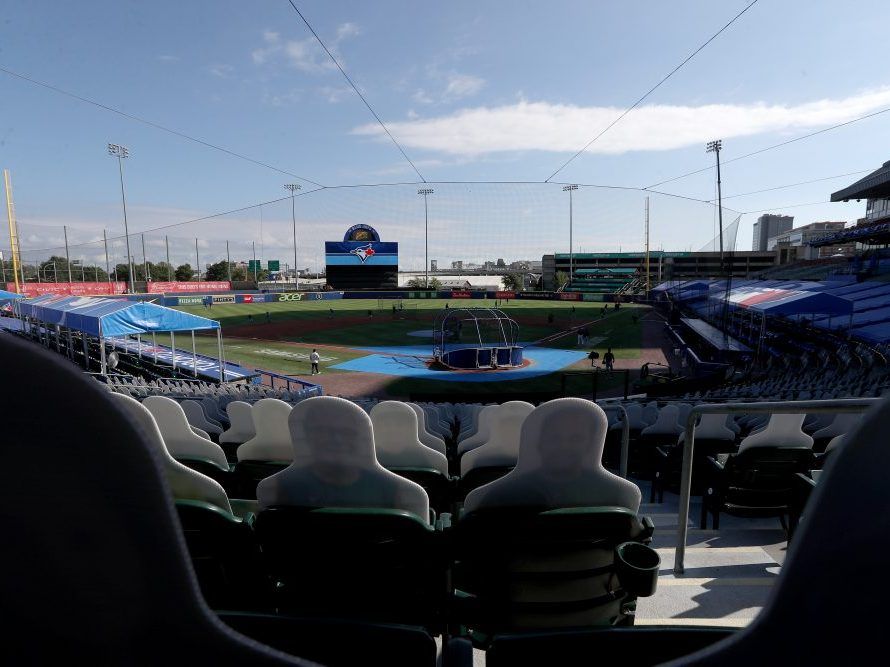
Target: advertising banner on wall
{"type": "Point", "coordinates": [73, 289]}
{"type": "Point", "coordinates": [569, 296]}
{"type": "Point", "coordinates": [224, 298]}
{"type": "Point", "coordinates": [211, 286]}
{"type": "Point", "coordinates": [541, 296]}
{"type": "Point", "coordinates": [461, 294]}
{"type": "Point", "coordinates": [505, 295]}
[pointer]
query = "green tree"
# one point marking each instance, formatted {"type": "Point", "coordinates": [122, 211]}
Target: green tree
{"type": "Point", "coordinates": [219, 271]}
{"type": "Point", "coordinates": [420, 283]}
{"type": "Point", "coordinates": [239, 273]}
{"type": "Point", "coordinates": [561, 279]}
{"type": "Point", "coordinates": [184, 272]}
{"type": "Point", "coordinates": [513, 282]}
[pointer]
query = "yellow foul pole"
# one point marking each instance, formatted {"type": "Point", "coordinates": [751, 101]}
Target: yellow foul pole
{"type": "Point", "coordinates": [13, 229]}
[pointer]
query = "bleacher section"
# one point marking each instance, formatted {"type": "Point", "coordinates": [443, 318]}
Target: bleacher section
{"type": "Point", "coordinates": [601, 281]}
{"type": "Point", "coordinates": [341, 568]}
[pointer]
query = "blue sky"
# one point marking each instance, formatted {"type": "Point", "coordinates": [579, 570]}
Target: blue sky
{"type": "Point", "coordinates": [496, 91]}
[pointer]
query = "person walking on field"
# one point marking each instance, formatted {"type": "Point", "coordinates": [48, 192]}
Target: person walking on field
{"type": "Point", "coordinates": [314, 358]}
{"type": "Point", "coordinates": [609, 359]}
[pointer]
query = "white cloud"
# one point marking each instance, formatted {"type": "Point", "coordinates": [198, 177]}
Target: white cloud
{"type": "Point", "coordinates": [303, 54]}
{"type": "Point", "coordinates": [334, 94]}
{"type": "Point", "coordinates": [347, 30]}
{"type": "Point", "coordinates": [550, 127]}
{"type": "Point", "coordinates": [463, 85]}
{"type": "Point", "coordinates": [420, 96]}
{"type": "Point", "coordinates": [222, 71]}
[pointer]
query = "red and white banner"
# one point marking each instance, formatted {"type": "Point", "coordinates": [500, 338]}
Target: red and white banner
{"type": "Point", "coordinates": [215, 286]}
{"type": "Point", "coordinates": [248, 298]}
{"type": "Point", "coordinates": [73, 289]}
{"type": "Point", "coordinates": [461, 294]}
{"type": "Point", "coordinates": [505, 295]}
{"type": "Point", "coordinates": [569, 296]}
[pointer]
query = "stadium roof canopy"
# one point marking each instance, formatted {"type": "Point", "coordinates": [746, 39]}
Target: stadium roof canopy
{"type": "Point", "coordinates": [105, 317]}
{"type": "Point", "coordinates": [774, 301]}
{"type": "Point", "coordinates": [9, 296]}
{"type": "Point", "coordinates": [874, 186]}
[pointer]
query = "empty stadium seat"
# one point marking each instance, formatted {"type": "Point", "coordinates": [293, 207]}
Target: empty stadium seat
{"type": "Point", "coordinates": [498, 455]}
{"type": "Point", "coordinates": [842, 531]}
{"type": "Point", "coordinates": [94, 569]}
{"type": "Point", "coordinates": [426, 437]}
{"type": "Point", "coordinates": [184, 445]}
{"type": "Point", "coordinates": [780, 431]}
{"type": "Point", "coordinates": [483, 430]}
{"type": "Point", "coordinates": [194, 412]}
{"type": "Point", "coordinates": [267, 452]}
{"type": "Point", "coordinates": [712, 437]}
{"type": "Point", "coordinates": [185, 483]}
{"type": "Point", "coordinates": [400, 451]}
{"type": "Point", "coordinates": [841, 424]}
{"type": "Point", "coordinates": [241, 427]}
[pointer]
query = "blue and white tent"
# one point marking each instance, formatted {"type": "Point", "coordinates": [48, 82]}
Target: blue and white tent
{"type": "Point", "coordinates": [112, 321]}
{"type": "Point", "coordinates": [106, 317]}
{"type": "Point", "coordinates": [9, 296]}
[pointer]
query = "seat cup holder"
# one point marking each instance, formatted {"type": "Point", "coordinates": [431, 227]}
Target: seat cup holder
{"type": "Point", "coordinates": [637, 568]}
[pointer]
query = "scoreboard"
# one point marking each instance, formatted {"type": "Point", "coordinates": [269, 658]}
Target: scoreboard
{"type": "Point", "coordinates": [362, 261]}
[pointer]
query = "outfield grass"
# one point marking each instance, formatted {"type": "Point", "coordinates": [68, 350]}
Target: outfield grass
{"type": "Point", "coordinates": [285, 358]}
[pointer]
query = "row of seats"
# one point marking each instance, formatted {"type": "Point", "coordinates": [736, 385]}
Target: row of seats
{"type": "Point", "coordinates": [95, 568]}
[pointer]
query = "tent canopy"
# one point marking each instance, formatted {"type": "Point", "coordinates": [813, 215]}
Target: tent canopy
{"type": "Point", "coordinates": [774, 301]}
{"type": "Point", "coordinates": [9, 296]}
{"type": "Point", "coordinates": [110, 317]}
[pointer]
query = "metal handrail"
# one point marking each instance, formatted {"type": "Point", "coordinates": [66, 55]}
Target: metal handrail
{"type": "Point", "coordinates": [625, 437]}
{"type": "Point", "coordinates": [851, 405]}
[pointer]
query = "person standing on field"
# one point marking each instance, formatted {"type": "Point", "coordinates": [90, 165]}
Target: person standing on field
{"type": "Point", "coordinates": [314, 358]}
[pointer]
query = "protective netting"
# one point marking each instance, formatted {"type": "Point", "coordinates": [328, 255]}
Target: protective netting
{"type": "Point", "coordinates": [468, 224]}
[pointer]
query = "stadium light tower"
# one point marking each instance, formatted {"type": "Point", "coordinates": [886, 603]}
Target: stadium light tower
{"type": "Point", "coordinates": [426, 236]}
{"type": "Point", "coordinates": [121, 152]}
{"type": "Point", "coordinates": [292, 188]}
{"type": "Point", "coordinates": [714, 147]}
{"type": "Point", "coordinates": [570, 189]}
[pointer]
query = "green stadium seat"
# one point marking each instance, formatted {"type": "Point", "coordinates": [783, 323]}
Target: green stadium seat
{"type": "Point", "coordinates": [382, 565]}
{"type": "Point", "coordinates": [226, 557]}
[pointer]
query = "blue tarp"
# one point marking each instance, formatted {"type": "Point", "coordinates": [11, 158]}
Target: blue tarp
{"type": "Point", "coordinates": [9, 296]}
{"type": "Point", "coordinates": [110, 317]}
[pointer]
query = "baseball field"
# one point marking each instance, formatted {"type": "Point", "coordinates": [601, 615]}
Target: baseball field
{"type": "Point", "coordinates": [366, 346]}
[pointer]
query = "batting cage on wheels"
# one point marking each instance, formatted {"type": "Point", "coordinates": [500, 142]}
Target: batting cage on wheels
{"type": "Point", "coordinates": [476, 338]}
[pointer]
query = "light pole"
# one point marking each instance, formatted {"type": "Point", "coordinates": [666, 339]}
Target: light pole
{"type": "Point", "coordinates": [121, 152]}
{"type": "Point", "coordinates": [570, 189]}
{"type": "Point", "coordinates": [292, 188]}
{"type": "Point", "coordinates": [426, 236]}
{"type": "Point", "coordinates": [714, 147]}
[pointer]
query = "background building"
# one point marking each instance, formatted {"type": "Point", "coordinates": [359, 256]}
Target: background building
{"type": "Point", "coordinates": [793, 245]}
{"type": "Point", "coordinates": [767, 226]}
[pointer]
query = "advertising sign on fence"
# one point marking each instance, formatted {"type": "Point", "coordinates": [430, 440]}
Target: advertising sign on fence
{"type": "Point", "coordinates": [543, 296]}
{"type": "Point", "coordinates": [73, 289]}
{"type": "Point", "coordinates": [569, 296]}
{"type": "Point", "coordinates": [188, 301]}
{"type": "Point", "coordinates": [225, 298]}
{"type": "Point", "coordinates": [461, 294]}
{"type": "Point", "coordinates": [505, 295]}
{"type": "Point", "coordinates": [212, 286]}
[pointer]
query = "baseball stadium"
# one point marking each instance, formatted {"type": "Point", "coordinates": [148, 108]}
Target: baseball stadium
{"type": "Point", "coordinates": [452, 421]}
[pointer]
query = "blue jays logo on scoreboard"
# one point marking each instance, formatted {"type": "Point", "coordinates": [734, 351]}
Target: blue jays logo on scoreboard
{"type": "Point", "coordinates": [361, 246]}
